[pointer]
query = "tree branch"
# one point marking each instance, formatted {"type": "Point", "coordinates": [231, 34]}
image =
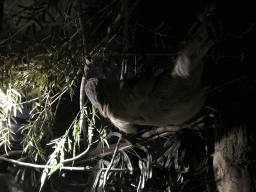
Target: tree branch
{"type": "Point", "coordinates": [112, 160]}
{"type": "Point", "coordinates": [87, 168]}
{"type": "Point", "coordinates": [83, 123]}
{"type": "Point", "coordinates": [125, 40]}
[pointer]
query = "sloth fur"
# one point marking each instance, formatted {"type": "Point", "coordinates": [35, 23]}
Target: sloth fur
{"type": "Point", "coordinates": [171, 98]}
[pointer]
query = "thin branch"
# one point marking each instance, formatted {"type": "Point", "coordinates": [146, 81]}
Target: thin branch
{"type": "Point", "coordinates": [83, 27]}
{"type": "Point", "coordinates": [112, 160]}
{"type": "Point", "coordinates": [25, 102]}
{"type": "Point", "coordinates": [72, 159]}
{"type": "Point", "coordinates": [83, 123]}
{"type": "Point", "coordinates": [125, 40]}
{"type": "Point", "coordinates": [87, 168]}
{"type": "Point", "coordinates": [1, 14]}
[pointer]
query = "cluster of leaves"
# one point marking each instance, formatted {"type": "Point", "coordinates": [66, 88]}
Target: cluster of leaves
{"type": "Point", "coordinates": [126, 177]}
{"type": "Point", "coordinates": [8, 102]}
{"type": "Point", "coordinates": [34, 73]}
{"type": "Point", "coordinates": [41, 57]}
{"type": "Point", "coordinates": [181, 152]}
{"type": "Point", "coordinates": [36, 87]}
{"type": "Point", "coordinates": [65, 145]}
{"type": "Point", "coordinates": [121, 161]}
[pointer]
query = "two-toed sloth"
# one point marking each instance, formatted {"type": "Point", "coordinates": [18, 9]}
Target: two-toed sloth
{"type": "Point", "coordinates": [171, 98]}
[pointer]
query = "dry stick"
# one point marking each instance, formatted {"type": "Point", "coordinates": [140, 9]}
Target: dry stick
{"type": "Point", "coordinates": [125, 41]}
{"type": "Point", "coordinates": [82, 27]}
{"type": "Point", "coordinates": [1, 14]}
{"type": "Point", "coordinates": [87, 168]}
{"type": "Point", "coordinates": [112, 160]}
{"type": "Point", "coordinates": [83, 123]}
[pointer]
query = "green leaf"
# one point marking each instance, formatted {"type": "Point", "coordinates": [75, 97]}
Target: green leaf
{"type": "Point", "coordinates": [43, 177]}
{"type": "Point", "coordinates": [34, 92]}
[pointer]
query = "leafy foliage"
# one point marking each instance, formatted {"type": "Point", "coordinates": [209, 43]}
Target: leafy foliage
{"type": "Point", "coordinates": [42, 57]}
{"type": "Point", "coordinates": [34, 74]}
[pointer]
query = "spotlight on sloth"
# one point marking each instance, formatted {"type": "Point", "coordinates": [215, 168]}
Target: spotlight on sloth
{"type": "Point", "coordinates": [171, 98]}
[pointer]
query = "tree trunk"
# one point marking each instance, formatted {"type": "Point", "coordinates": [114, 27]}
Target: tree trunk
{"type": "Point", "coordinates": [234, 157]}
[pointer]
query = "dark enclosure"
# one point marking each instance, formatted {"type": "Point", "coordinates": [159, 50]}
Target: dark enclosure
{"type": "Point", "coordinates": [123, 96]}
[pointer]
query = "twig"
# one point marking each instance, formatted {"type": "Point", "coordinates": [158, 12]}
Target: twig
{"type": "Point", "coordinates": [82, 28]}
{"type": "Point", "coordinates": [74, 158]}
{"type": "Point", "coordinates": [85, 75]}
{"type": "Point", "coordinates": [125, 41]}
{"type": "Point", "coordinates": [112, 160]}
{"type": "Point", "coordinates": [82, 122]}
{"type": "Point", "coordinates": [87, 168]}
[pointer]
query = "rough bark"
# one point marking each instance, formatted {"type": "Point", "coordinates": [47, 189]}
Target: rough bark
{"type": "Point", "coordinates": [234, 158]}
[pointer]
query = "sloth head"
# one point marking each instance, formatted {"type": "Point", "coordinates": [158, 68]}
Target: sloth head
{"type": "Point", "coordinates": [119, 100]}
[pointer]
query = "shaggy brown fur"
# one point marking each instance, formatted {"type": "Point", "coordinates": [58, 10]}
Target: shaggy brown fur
{"type": "Point", "coordinates": [171, 98]}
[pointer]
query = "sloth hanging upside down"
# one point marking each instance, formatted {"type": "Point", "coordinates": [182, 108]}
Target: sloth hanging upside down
{"type": "Point", "coordinates": [171, 98]}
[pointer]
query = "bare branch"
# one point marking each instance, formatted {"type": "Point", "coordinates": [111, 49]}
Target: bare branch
{"type": "Point", "coordinates": [83, 124]}
{"type": "Point", "coordinates": [82, 28]}
{"type": "Point", "coordinates": [125, 40]}
{"type": "Point", "coordinates": [112, 160]}
{"type": "Point", "coordinates": [87, 168]}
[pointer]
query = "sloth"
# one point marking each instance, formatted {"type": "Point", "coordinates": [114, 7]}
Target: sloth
{"type": "Point", "coordinates": [171, 98]}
